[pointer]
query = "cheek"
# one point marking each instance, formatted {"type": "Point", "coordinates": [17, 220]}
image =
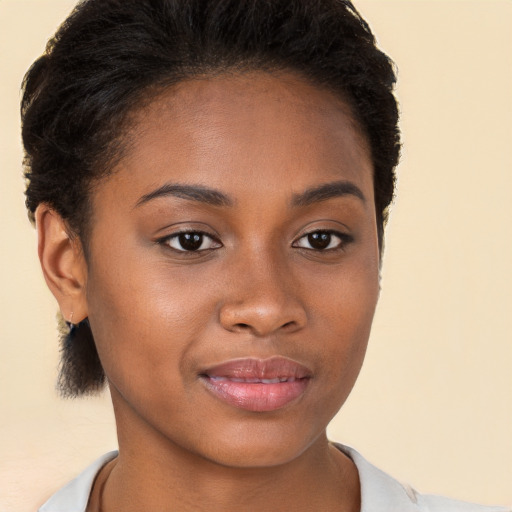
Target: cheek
{"type": "Point", "coordinates": [343, 318]}
{"type": "Point", "coordinates": [144, 319]}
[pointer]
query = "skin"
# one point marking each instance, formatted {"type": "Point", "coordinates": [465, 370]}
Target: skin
{"type": "Point", "coordinates": [258, 289]}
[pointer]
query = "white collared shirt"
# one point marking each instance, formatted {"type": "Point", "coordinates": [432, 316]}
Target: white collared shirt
{"type": "Point", "coordinates": [379, 492]}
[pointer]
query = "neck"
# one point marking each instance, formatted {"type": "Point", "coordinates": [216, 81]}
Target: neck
{"type": "Point", "coordinates": [154, 473]}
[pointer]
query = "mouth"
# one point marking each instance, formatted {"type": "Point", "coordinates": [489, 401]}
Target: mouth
{"type": "Point", "coordinates": [257, 385]}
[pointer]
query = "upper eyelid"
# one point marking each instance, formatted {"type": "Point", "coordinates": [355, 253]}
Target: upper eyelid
{"type": "Point", "coordinates": [183, 231]}
{"type": "Point", "coordinates": [325, 225]}
{"type": "Point", "coordinates": [335, 232]}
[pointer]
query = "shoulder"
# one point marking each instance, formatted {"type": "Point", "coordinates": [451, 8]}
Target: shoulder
{"type": "Point", "coordinates": [74, 496]}
{"type": "Point", "coordinates": [381, 492]}
{"type": "Point", "coordinates": [441, 504]}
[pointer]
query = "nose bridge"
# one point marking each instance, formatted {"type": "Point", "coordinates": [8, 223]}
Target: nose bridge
{"type": "Point", "coordinates": [263, 297]}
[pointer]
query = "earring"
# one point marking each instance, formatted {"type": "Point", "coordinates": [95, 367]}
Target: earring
{"type": "Point", "coordinates": [69, 323]}
{"type": "Point", "coordinates": [76, 336]}
{"type": "Point", "coordinates": [74, 330]}
{"type": "Point", "coordinates": [80, 368]}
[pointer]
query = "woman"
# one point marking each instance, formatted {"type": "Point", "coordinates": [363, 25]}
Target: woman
{"type": "Point", "coordinates": [210, 183]}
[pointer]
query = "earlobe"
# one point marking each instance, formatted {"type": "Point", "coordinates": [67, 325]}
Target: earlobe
{"type": "Point", "coordinates": [63, 263]}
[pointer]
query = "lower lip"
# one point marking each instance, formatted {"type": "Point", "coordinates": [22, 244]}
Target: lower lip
{"type": "Point", "coordinates": [258, 397]}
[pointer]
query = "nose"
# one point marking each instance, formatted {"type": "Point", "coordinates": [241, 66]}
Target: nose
{"type": "Point", "coordinates": [263, 300]}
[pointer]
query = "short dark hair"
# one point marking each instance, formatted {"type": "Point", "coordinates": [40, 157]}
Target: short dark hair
{"type": "Point", "coordinates": [109, 56]}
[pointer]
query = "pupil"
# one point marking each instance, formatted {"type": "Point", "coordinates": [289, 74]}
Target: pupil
{"type": "Point", "coordinates": [191, 241]}
{"type": "Point", "coordinates": [319, 240]}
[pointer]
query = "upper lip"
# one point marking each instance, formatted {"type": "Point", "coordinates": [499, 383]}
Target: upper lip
{"type": "Point", "coordinates": [277, 367]}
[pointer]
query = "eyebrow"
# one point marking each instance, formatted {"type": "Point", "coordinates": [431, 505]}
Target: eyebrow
{"type": "Point", "coordinates": [216, 198]}
{"type": "Point", "coordinates": [193, 192]}
{"type": "Point", "coordinates": [327, 191]}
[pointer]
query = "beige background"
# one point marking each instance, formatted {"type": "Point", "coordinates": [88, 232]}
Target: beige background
{"type": "Point", "coordinates": [433, 405]}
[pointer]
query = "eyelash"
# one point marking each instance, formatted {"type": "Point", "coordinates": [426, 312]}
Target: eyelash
{"type": "Point", "coordinates": [175, 236]}
{"type": "Point", "coordinates": [344, 240]}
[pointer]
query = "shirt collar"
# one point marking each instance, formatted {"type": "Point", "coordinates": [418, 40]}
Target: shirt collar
{"type": "Point", "coordinates": [379, 491]}
{"type": "Point", "coordinates": [75, 495]}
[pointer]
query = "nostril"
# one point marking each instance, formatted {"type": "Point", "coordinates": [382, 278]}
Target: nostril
{"type": "Point", "coordinates": [261, 317]}
{"type": "Point", "coordinates": [247, 327]}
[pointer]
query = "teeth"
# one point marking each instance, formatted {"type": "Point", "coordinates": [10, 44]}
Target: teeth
{"type": "Point", "coordinates": [277, 380]}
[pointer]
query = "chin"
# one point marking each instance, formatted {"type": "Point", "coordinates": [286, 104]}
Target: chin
{"type": "Point", "coordinates": [263, 444]}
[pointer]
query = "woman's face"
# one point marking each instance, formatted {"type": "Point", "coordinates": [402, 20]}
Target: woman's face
{"type": "Point", "coordinates": [233, 268]}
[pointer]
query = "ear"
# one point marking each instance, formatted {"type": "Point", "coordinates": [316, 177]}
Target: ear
{"type": "Point", "coordinates": [63, 263]}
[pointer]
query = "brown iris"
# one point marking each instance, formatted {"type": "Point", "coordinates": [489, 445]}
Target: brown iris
{"type": "Point", "coordinates": [319, 240]}
{"type": "Point", "coordinates": [190, 241]}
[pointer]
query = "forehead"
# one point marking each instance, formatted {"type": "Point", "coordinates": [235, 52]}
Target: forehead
{"type": "Point", "coordinates": [255, 128]}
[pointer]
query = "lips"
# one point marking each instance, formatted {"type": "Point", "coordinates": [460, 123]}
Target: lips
{"type": "Point", "coordinates": [257, 385]}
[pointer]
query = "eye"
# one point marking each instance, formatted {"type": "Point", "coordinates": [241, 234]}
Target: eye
{"type": "Point", "coordinates": [323, 241]}
{"type": "Point", "coordinates": [191, 241]}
